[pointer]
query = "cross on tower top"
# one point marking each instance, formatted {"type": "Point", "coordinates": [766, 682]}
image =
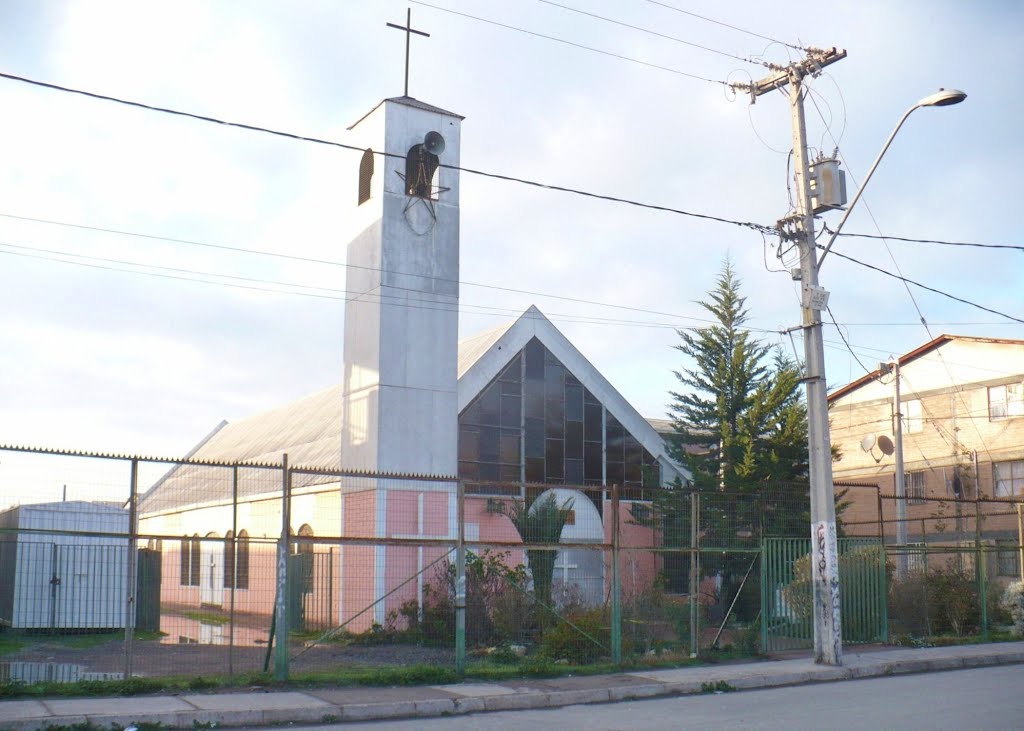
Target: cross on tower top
{"type": "Point", "coordinates": [409, 30]}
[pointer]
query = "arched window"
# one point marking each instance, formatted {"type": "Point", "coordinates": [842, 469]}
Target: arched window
{"type": "Point", "coordinates": [242, 561]}
{"type": "Point", "coordinates": [194, 560]}
{"type": "Point", "coordinates": [304, 558]}
{"type": "Point", "coordinates": [184, 562]}
{"type": "Point", "coordinates": [229, 560]}
{"type": "Point", "coordinates": [305, 531]}
{"type": "Point", "coordinates": [365, 175]}
{"type": "Point", "coordinates": [420, 168]}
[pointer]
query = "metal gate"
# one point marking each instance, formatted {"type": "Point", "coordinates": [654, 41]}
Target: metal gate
{"type": "Point", "coordinates": [787, 607]}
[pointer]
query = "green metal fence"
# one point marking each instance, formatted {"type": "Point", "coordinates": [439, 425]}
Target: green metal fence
{"type": "Point", "coordinates": [787, 604]}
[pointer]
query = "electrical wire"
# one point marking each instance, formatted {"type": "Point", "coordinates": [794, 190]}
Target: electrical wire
{"type": "Point", "coordinates": [656, 33]}
{"type": "Point", "coordinates": [332, 143]}
{"type": "Point", "coordinates": [329, 262]}
{"type": "Point", "coordinates": [37, 253]}
{"type": "Point", "coordinates": [569, 43]}
{"type": "Point", "coordinates": [1013, 247]}
{"type": "Point", "coordinates": [461, 282]}
{"type": "Point", "coordinates": [905, 280]}
{"type": "Point", "coordinates": [845, 341]}
{"type": "Point", "coordinates": [726, 25]}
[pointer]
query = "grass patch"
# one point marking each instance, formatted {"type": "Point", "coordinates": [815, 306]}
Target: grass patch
{"type": "Point", "coordinates": [207, 617]}
{"type": "Point", "coordinates": [910, 640]}
{"type": "Point", "coordinates": [13, 642]}
{"type": "Point", "coordinates": [349, 676]}
{"type": "Point", "coordinates": [10, 644]}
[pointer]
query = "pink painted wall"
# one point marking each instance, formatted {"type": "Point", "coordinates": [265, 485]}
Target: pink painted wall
{"type": "Point", "coordinates": [638, 569]}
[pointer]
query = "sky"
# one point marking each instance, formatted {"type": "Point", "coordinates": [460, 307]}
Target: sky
{"type": "Point", "coordinates": [97, 355]}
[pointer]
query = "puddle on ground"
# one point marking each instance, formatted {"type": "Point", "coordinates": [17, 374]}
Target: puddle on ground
{"type": "Point", "coordinates": [180, 630]}
{"type": "Point", "coordinates": [50, 672]}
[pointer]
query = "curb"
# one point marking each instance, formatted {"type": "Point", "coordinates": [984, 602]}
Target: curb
{"type": "Point", "coordinates": [306, 708]}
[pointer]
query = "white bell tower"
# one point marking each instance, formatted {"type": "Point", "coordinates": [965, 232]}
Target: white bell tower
{"type": "Point", "coordinates": [400, 411]}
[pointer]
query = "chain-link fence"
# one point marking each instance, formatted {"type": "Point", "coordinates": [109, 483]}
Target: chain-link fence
{"type": "Point", "coordinates": [119, 566]}
{"type": "Point", "coordinates": [949, 564]}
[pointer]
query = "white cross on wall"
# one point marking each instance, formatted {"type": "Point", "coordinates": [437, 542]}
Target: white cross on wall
{"type": "Point", "coordinates": [564, 565]}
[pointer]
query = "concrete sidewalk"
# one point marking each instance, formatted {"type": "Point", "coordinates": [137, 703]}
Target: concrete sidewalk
{"type": "Point", "coordinates": [326, 705]}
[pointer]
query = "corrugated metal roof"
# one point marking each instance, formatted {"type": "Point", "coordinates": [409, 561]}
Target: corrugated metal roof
{"type": "Point", "coordinates": [662, 426]}
{"type": "Point", "coordinates": [308, 429]}
{"type": "Point", "coordinates": [472, 349]}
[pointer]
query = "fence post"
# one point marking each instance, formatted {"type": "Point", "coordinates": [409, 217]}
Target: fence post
{"type": "Point", "coordinates": [616, 632]}
{"type": "Point", "coordinates": [460, 583]}
{"type": "Point", "coordinates": [1020, 536]}
{"type": "Point", "coordinates": [130, 568]}
{"type": "Point", "coordinates": [694, 576]}
{"type": "Point", "coordinates": [234, 567]}
{"type": "Point", "coordinates": [281, 610]}
{"type": "Point", "coordinates": [979, 566]}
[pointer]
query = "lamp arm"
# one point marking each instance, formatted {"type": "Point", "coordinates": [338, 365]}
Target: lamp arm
{"type": "Point", "coordinates": [864, 184]}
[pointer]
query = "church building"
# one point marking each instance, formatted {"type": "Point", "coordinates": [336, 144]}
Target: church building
{"type": "Point", "coordinates": [512, 407]}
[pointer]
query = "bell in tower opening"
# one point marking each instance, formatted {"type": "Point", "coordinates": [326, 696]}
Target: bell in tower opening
{"type": "Point", "coordinates": [421, 165]}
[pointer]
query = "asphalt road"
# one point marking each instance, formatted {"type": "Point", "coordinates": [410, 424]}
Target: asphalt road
{"type": "Point", "coordinates": [987, 698]}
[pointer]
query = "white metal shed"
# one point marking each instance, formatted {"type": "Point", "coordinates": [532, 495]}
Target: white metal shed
{"type": "Point", "coordinates": [57, 572]}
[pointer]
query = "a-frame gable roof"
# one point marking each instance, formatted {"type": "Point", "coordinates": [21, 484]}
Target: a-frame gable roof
{"type": "Point", "coordinates": [506, 342]}
{"type": "Point", "coordinates": [309, 428]}
{"type": "Point", "coordinates": [916, 353]}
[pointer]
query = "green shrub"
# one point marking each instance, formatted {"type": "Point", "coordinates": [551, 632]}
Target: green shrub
{"type": "Point", "coordinates": [942, 600]}
{"type": "Point", "coordinates": [579, 638]}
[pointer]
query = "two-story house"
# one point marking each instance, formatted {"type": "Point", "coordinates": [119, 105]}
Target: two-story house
{"type": "Point", "coordinates": [961, 403]}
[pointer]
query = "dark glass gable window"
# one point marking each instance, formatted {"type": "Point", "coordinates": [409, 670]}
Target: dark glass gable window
{"type": "Point", "coordinates": [539, 424]}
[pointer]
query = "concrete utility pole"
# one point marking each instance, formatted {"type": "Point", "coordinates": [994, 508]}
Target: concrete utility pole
{"type": "Point", "coordinates": [901, 487]}
{"type": "Point", "coordinates": [828, 642]}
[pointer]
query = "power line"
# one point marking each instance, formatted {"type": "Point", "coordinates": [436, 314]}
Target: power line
{"type": "Point", "coordinates": [330, 262]}
{"type": "Point", "coordinates": [726, 25]}
{"type": "Point", "coordinates": [176, 272]}
{"type": "Point", "coordinates": [332, 143]}
{"type": "Point", "coordinates": [656, 33]}
{"type": "Point", "coordinates": [570, 43]}
{"type": "Point", "coordinates": [845, 341]}
{"type": "Point", "coordinates": [1014, 247]}
{"type": "Point", "coordinates": [905, 280]}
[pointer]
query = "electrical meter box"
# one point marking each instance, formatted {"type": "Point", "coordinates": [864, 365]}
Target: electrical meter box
{"type": "Point", "coordinates": [828, 185]}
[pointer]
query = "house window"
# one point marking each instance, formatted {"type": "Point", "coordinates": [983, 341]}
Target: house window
{"type": "Point", "coordinates": [1009, 478]}
{"type": "Point", "coordinates": [1006, 401]}
{"type": "Point", "coordinates": [1007, 558]}
{"type": "Point", "coordinates": [916, 556]}
{"type": "Point", "coordinates": [913, 485]}
{"type": "Point", "coordinates": [189, 561]}
{"type": "Point", "coordinates": [910, 412]}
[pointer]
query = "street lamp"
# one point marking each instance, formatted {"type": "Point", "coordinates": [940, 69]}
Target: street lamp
{"type": "Point", "coordinates": [941, 98]}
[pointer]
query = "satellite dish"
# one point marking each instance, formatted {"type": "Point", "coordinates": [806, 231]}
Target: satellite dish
{"type": "Point", "coordinates": [868, 442]}
{"type": "Point", "coordinates": [433, 143]}
{"type": "Point", "coordinates": [886, 445]}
